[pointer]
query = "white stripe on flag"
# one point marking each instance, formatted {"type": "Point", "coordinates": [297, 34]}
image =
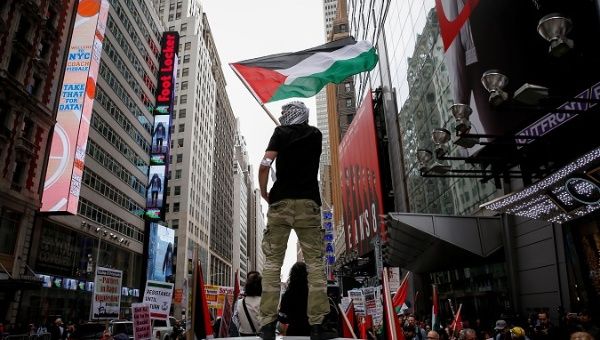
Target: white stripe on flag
{"type": "Point", "coordinates": [320, 62]}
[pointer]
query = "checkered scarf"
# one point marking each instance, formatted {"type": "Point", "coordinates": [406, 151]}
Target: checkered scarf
{"type": "Point", "coordinates": [293, 113]}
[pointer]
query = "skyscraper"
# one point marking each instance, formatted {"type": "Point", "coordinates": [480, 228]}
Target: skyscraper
{"type": "Point", "coordinates": [34, 41]}
{"type": "Point", "coordinates": [241, 197]}
{"type": "Point", "coordinates": [99, 221]}
{"type": "Point", "coordinates": [191, 169]}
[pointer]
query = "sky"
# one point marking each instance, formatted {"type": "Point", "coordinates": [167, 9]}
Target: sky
{"type": "Point", "coordinates": [245, 29]}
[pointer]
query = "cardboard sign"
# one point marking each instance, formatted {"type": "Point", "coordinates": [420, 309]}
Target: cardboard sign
{"type": "Point", "coordinates": [142, 328]}
{"type": "Point", "coordinates": [106, 301]}
{"type": "Point", "coordinates": [158, 295]}
{"type": "Point", "coordinates": [178, 297]}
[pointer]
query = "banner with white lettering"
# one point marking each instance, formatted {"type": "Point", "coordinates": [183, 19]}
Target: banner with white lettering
{"type": "Point", "coordinates": [158, 295]}
{"type": "Point", "coordinates": [106, 301]}
{"type": "Point", "coordinates": [142, 328]}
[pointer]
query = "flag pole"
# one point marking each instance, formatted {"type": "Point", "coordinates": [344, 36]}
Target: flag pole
{"type": "Point", "coordinates": [343, 312]}
{"type": "Point", "coordinates": [255, 96]}
{"type": "Point", "coordinates": [456, 318]}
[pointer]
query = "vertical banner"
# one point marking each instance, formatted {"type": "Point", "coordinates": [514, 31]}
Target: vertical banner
{"type": "Point", "coordinates": [361, 180]}
{"type": "Point", "coordinates": [328, 239]}
{"type": "Point", "coordinates": [158, 296]}
{"type": "Point", "coordinates": [142, 328]}
{"type": "Point", "coordinates": [161, 136]}
{"type": "Point", "coordinates": [69, 140]}
{"type": "Point", "coordinates": [161, 244]}
{"type": "Point", "coordinates": [106, 301]}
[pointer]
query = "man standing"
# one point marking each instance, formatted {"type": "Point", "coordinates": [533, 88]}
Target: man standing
{"type": "Point", "coordinates": [294, 203]}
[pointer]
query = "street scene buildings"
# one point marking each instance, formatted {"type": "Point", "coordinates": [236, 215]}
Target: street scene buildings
{"type": "Point", "coordinates": [465, 162]}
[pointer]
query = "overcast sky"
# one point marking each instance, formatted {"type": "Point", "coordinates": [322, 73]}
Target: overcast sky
{"type": "Point", "coordinates": [245, 29]}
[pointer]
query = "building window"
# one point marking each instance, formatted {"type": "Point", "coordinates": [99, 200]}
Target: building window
{"type": "Point", "coordinates": [178, 174]}
{"type": "Point", "coordinates": [177, 190]}
{"type": "Point", "coordinates": [185, 72]}
{"type": "Point", "coordinates": [182, 112]}
{"type": "Point", "coordinates": [183, 27]}
{"type": "Point", "coordinates": [9, 230]}
{"type": "Point", "coordinates": [348, 102]}
{"type": "Point", "coordinates": [187, 46]}
{"type": "Point", "coordinates": [184, 85]}
{"type": "Point", "coordinates": [183, 99]}
{"type": "Point", "coordinates": [186, 58]}
{"type": "Point", "coordinates": [175, 223]}
{"type": "Point", "coordinates": [181, 127]}
{"type": "Point", "coordinates": [179, 158]}
{"type": "Point", "coordinates": [180, 142]}
{"type": "Point", "coordinates": [176, 207]}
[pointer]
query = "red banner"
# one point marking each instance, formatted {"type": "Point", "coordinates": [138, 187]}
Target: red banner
{"type": "Point", "coordinates": [361, 181]}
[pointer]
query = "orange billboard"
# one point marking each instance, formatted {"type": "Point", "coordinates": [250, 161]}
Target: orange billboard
{"type": "Point", "coordinates": [69, 141]}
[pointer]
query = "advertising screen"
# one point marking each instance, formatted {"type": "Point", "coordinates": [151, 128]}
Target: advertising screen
{"type": "Point", "coordinates": [67, 154]}
{"type": "Point", "coordinates": [161, 137]}
{"type": "Point", "coordinates": [360, 180]}
{"type": "Point", "coordinates": [160, 253]}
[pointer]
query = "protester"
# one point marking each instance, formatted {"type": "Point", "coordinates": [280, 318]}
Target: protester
{"type": "Point", "coordinates": [57, 331]}
{"type": "Point", "coordinates": [433, 335]}
{"type": "Point", "coordinates": [420, 333]}
{"type": "Point", "coordinates": [518, 333]}
{"type": "Point", "coordinates": [544, 329]}
{"type": "Point", "coordinates": [502, 332]}
{"type": "Point", "coordinates": [247, 308]}
{"type": "Point", "coordinates": [581, 336]}
{"type": "Point", "coordinates": [294, 302]}
{"type": "Point", "coordinates": [467, 334]}
{"type": "Point", "coordinates": [294, 203]}
{"type": "Point", "coordinates": [587, 325]}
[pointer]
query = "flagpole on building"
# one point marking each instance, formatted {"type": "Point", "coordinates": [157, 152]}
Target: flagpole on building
{"type": "Point", "coordinates": [255, 96]}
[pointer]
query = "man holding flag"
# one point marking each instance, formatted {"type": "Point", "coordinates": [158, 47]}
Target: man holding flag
{"type": "Point", "coordinates": [294, 200]}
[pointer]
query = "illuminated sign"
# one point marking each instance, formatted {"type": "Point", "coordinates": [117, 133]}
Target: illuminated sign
{"type": "Point", "coordinates": [161, 136]}
{"type": "Point", "coordinates": [560, 197]}
{"type": "Point", "coordinates": [69, 140]}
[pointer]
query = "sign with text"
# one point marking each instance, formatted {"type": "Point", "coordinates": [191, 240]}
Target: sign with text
{"type": "Point", "coordinates": [158, 296]}
{"type": "Point", "coordinates": [69, 139]}
{"type": "Point", "coordinates": [142, 328]}
{"type": "Point", "coordinates": [106, 301]}
{"type": "Point", "coordinates": [161, 136]}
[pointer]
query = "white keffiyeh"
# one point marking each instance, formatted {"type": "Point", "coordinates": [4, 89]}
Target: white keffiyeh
{"type": "Point", "coordinates": [293, 113]}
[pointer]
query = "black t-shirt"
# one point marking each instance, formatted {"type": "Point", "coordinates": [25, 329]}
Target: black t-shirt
{"type": "Point", "coordinates": [298, 149]}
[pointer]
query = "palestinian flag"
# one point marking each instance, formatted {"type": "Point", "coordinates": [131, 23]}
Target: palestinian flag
{"type": "Point", "coordinates": [305, 73]}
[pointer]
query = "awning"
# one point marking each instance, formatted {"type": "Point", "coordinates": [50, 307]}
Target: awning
{"type": "Point", "coordinates": [425, 243]}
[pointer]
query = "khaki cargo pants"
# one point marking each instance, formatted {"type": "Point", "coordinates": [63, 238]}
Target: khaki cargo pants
{"type": "Point", "coordinates": [304, 216]}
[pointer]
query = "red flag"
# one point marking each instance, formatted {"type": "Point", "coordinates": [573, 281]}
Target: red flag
{"type": "Point", "coordinates": [364, 324]}
{"type": "Point", "coordinates": [201, 317]}
{"type": "Point", "coordinates": [236, 288]}
{"type": "Point", "coordinates": [401, 293]}
{"type": "Point", "coordinates": [392, 324]}
{"type": "Point", "coordinates": [348, 332]}
{"type": "Point", "coordinates": [457, 325]}
{"type": "Point", "coordinates": [225, 319]}
{"type": "Point", "coordinates": [435, 310]}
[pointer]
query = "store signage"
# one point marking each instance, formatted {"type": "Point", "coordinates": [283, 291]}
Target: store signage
{"type": "Point", "coordinates": [161, 131]}
{"type": "Point", "coordinates": [555, 119]}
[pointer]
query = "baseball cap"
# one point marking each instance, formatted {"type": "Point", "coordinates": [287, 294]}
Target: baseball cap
{"type": "Point", "coordinates": [500, 324]}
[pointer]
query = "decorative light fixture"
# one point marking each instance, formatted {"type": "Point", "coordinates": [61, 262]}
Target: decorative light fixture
{"type": "Point", "coordinates": [461, 113]}
{"type": "Point", "coordinates": [440, 137]}
{"type": "Point", "coordinates": [554, 28]}
{"type": "Point", "coordinates": [424, 157]}
{"type": "Point", "coordinates": [495, 82]}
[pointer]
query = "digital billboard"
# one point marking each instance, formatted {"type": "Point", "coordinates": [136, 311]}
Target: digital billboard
{"type": "Point", "coordinates": [161, 247]}
{"type": "Point", "coordinates": [69, 140]}
{"type": "Point", "coordinates": [361, 180]}
{"type": "Point", "coordinates": [161, 137]}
